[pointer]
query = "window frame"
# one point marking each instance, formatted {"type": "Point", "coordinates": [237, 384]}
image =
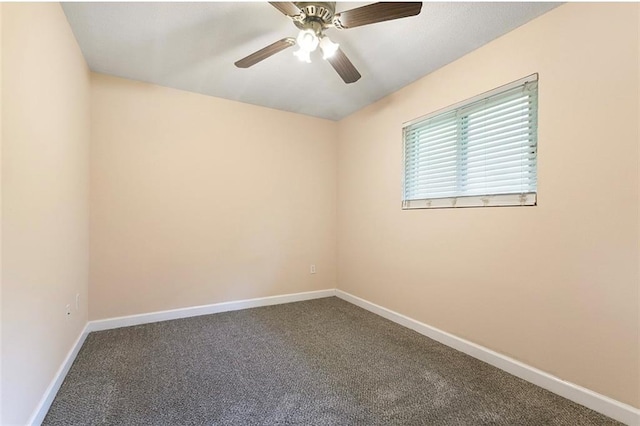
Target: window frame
{"type": "Point", "coordinates": [485, 200]}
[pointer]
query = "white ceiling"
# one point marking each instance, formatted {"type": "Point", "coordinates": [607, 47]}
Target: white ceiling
{"type": "Point", "coordinates": [192, 46]}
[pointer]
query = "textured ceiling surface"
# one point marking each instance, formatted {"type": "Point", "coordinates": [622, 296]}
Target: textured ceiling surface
{"type": "Point", "coordinates": [193, 47]}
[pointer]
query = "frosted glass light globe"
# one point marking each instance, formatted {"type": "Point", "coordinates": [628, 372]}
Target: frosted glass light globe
{"type": "Point", "coordinates": [328, 47]}
{"type": "Point", "coordinates": [303, 55]}
{"type": "Point", "coordinates": [307, 40]}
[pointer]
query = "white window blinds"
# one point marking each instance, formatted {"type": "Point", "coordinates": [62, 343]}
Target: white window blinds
{"type": "Point", "coordinates": [480, 152]}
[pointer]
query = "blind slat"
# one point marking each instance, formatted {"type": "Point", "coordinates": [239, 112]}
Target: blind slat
{"type": "Point", "coordinates": [499, 114]}
{"type": "Point", "coordinates": [500, 156]}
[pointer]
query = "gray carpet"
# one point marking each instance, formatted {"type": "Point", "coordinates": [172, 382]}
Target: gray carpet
{"type": "Point", "coordinates": [321, 362]}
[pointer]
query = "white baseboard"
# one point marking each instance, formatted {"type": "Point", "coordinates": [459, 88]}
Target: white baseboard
{"type": "Point", "coordinates": [43, 407]}
{"type": "Point", "coordinates": [127, 321]}
{"type": "Point", "coordinates": [583, 396]}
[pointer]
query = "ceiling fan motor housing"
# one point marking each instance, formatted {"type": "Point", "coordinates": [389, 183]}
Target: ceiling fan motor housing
{"type": "Point", "coordinates": [316, 16]}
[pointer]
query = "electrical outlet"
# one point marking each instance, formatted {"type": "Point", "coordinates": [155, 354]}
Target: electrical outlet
{"type": "Point", "coordinates": [312, 269]}
{"type": "Point", "coordinates": [68, 310]}
{"type": "Point", "coordinates": [77, 301]}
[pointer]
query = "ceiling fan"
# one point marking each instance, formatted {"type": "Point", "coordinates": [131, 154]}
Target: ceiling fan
{"type": "Point", "coordinates": [313, 18]}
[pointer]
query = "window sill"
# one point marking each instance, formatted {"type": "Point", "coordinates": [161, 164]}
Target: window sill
{"type": "Point", "coordinates": [499, 200]}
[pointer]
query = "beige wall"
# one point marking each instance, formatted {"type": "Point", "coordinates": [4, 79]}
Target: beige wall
{"type": "Point", "coordinates": [45, 170]}
{"type": "Point", "coordinates": [198, 200]}
{"type": "Point", "coordinates": [555, 286]}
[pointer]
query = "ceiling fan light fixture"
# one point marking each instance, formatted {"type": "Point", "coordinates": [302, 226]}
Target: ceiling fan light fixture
{"type": "Point", "coordinates": [307, 40]}
{"type": "Point", "coordinates": [303, 55]}
{"type": "Point", "coordinates": [313, 18]}
{"type": "Point", "coordinates": [328, 47]}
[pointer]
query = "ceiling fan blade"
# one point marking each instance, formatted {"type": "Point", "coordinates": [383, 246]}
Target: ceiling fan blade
{"type": "Point", "coordinates": [344, 67]}
{"type": "Point", "coordinates": [376, 12]}
{"type": "Point", "coordinates": [286, 7]}
{"type": "Point", "coordinates": [264, 53]}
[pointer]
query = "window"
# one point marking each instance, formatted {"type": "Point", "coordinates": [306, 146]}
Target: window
{"type": "Point", "coordinates": [480, 152]}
